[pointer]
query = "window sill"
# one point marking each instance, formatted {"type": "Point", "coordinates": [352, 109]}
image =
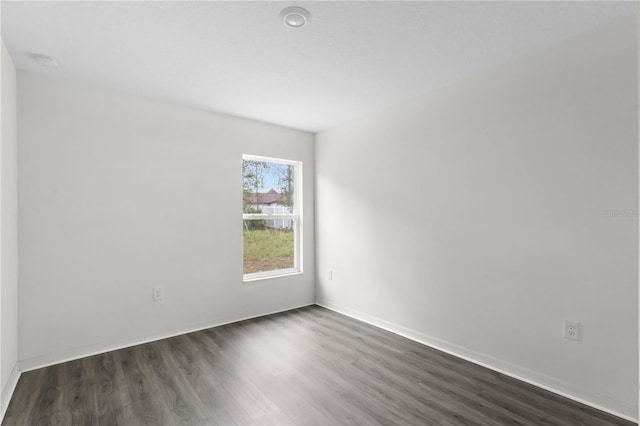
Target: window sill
{"type": "Point", "coordinates": [259, 276]}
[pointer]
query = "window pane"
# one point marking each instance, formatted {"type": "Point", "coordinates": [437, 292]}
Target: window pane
{"type": "Point", "coordinates": [268, 187]}
{"type": "Point", "coordinates": [268, 247]}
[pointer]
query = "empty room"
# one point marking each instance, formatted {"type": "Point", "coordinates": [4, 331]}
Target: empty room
{"type": "Point", "coordinates": [319, 213]}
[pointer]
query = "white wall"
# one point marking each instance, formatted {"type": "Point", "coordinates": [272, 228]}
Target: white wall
{"type": "Point", "coordinates": [119, 194]}
{"type": "Point", "coordinates": [474, 218]}
{"type": "Point", "coordinates": [8, 232]}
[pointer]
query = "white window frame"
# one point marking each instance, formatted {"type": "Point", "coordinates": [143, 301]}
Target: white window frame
{"type": "Point", "coordinates": [296, 218]}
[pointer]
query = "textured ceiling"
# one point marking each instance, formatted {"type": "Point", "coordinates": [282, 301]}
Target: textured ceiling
{"type": "Point", "coordinates": [238, 57]}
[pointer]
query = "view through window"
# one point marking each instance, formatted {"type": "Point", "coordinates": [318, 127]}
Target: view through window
{"type": "Point", "coordinates": [271, 217]}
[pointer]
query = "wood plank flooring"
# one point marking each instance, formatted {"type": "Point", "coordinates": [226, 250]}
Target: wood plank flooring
{"type": "Point", "coordinates": [308, 366]}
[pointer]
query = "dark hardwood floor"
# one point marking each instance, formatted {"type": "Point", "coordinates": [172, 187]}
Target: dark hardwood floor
{"type": "Point", "coordinates": [308, 366]}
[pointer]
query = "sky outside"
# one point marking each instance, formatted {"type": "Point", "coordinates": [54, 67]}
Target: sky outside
{"type": "Point", "coordinates": [270, 180]}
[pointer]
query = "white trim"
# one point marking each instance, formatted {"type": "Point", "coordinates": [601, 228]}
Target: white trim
{"type": "Point", "coordinates": [270, 159]}
{"type": "Point", "coordinates": [298, 205]}
{"type": "Point", "coordinates": [100, 348]}
{"type": "Point", "coordinates": [8, 390]}
{"type": "Point", "coordinates": [593, 399]}
{"type": "Point", "coordinates": [258, 276]}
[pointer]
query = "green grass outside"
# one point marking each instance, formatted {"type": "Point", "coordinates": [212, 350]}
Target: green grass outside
{"type": "Point", "coordinates": [268, 250]}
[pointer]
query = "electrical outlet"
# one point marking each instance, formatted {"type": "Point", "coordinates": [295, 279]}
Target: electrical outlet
{"type": "Point", "coordinates": [571, 330]}
{"type": "Point", "coordinates": [158, 294]}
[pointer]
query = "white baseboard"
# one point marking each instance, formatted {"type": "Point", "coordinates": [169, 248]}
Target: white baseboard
{"type": "Point", "coordinates": [99, 348]}
{"type": "Point", "coordinates": [596, 400]}
{"type": "Point", "coordinates": [8, 390]}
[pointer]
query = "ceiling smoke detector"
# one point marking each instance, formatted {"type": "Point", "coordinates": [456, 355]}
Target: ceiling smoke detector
{"type": "Point", "coordinates": [295, 17]}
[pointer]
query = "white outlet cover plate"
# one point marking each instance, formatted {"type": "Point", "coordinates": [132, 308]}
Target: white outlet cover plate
{"type": "Point", "coordinates": [572, 330]}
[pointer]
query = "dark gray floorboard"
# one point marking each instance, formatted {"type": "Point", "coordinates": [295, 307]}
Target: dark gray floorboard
{"type": "Point", "coordinates": [307, 366]}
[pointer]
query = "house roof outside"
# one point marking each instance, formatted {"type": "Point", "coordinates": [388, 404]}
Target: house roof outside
{"type": "Point", "coordinates": [270, 197]}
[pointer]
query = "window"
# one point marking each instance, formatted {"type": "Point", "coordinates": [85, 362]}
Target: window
{"type": "Point", "coordinates": [271, 217]}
